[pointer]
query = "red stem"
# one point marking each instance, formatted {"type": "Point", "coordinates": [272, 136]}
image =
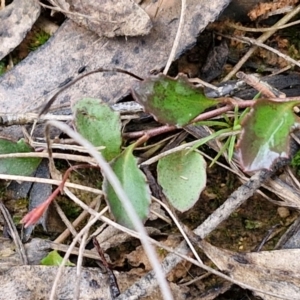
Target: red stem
{"type": "Point", "coordinates": [201, 117]}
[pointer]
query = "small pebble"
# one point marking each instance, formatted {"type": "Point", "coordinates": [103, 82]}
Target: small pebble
{"type": "Point", "coordinates": [283, 212]}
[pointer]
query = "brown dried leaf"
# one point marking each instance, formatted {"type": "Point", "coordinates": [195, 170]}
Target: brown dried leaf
{"type": "Point", "coordinates": [270, 271]}
{"type": "Point", "coordinates": [109, 17]}
{"type": "Point", "coordinates": [139, 260]}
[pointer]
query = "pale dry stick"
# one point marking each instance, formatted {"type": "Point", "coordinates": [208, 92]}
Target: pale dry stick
{"type": "Point", "coordinates": [75, 251]}
{"type": "Point", "coordinates": [80, 257]}
{"type": "Point", "coordinates": [96, 233]}
{"type": "Point", "coordinates": [204, 83]}
{"type": "Point", "coordinates": [295, 137]}
{"type": "Point", "coordinates": [230, 169]}
{"type": "Point", "coordinates": [86, 209]}
{"type": "Point", "coordinates": [79, 264]}
{"type": "Point", "coordinates": [293, 177]}
{"type": "Point", "coordinates": [177, 37]}
{"type": "Point", "coordinates": [254, 82]}
{"type": "Point", "coordinates": [249, 29]}
{"type": "Point", "coordinates": [75, 240]}
{"type": "Point", "coordinates": [28, 118]}
{"type": "Point", "coordinates": [64, 218]}
{"type": "Point", "coordinates": [76, 200]}
{"type": "Point", "coordinates": [262, 45]}
{"type": "Point", "coordinates": [140, 287]}
{"type": "Point", "coordinates": [50, 181]}
{"type": "Point", "coordinates": [14, 234]}
{"type": "Point", "coordinates": [195, 279]}
{"type": "Point", "coordinates": [159, 216]}
{"type": "Point", "coordinates": [168, 152]}
{"type": "Point", "coordinates": [2, 4]}
{"type": "Point", "coordinates": [279, 11]}
{"type": "Point", "coordinates": [75, 223]}
{"type": "Point", "coordinates": [64, 156]}
{"type": "Point", "coordinates": [63, 146]}
{"type": "Point", "coordinates": [235, 200]}
{"type": "Point", "coordinates": [180, 228]}
{"type": "Point", "coordinates": [52, 168]}
{"type": "Point", "coordinates": [281, 71]}
{"type": "Point", "coordinates": [130, 108]}
{"type": "Point", "coordinates": [115, 183]}
{"type": "Point", "coordinates": [261, 39]}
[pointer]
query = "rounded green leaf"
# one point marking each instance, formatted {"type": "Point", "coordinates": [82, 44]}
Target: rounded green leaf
{"type": "Point", "coordinates": [171, 101]}
{"type": "Point", "coordinates": [134, 184]}
{"type": "Point", "coordinates": [100, 125]}
{"type": "Point", "coordinates": [15, 165]}
{"type": "Point", "coordinates": [182, 175]}
{"type": "Point", "coordinates": [265, 134]}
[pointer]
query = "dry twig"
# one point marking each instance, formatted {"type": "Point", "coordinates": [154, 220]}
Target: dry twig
{"type": "Point", "coordinates": [262, 29]}
{"type": "Point", "coordinates": [177, 38]}
{"type": "Point", "coordinates": [14, 234]}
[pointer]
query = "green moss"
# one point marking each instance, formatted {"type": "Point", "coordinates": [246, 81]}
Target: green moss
{"type": "Point", "coordinates": [2, 67]}
{"type": "Point", "coordinates": [253, 224]}
{"type": "Point", "coordinates": [295, 163]}
{"type": "Point", "coordinates": [71, 209]}
{"type": "Point", "coordinates": [39, 39]}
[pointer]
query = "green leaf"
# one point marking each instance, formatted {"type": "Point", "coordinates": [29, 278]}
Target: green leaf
{"type": "Point", "coordinates": [208, 138]}
{"type": "Point", "coordinates": [182, 175]}
{"type": "Point", "coordinates": [134, 184]}
{"type": "Point", "coordinates": [171, 101]}
{"type": "Point", "coordinates": [213, 123]}
{"type": "Point", "coordinates": [265, 134]}
{"type": "Point", "coordinates": [100, 125]}
{"type": "Point", "coordinates": [17, 166]}
{"type": "Point", "coordinates": [54, 259]}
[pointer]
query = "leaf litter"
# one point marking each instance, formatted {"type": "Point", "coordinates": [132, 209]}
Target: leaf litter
{"type": "Point", "coordinates": [241, 260]}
